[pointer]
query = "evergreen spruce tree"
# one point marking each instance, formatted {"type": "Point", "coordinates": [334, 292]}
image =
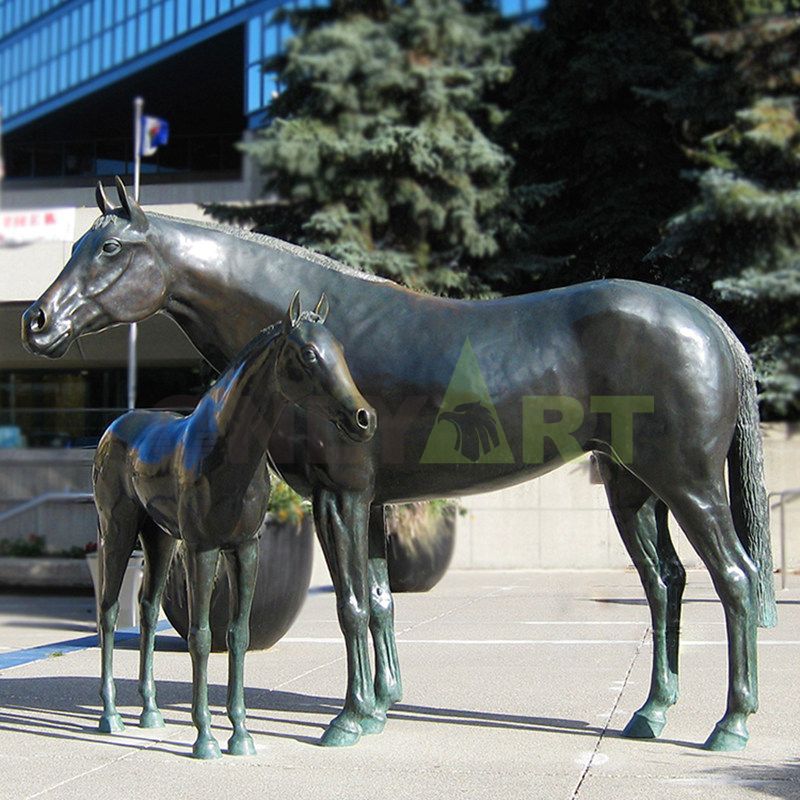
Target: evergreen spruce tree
{"type": "Point", "coordinates": [379, 151]}
{"type": "Point", "coordinates": [738, 245]}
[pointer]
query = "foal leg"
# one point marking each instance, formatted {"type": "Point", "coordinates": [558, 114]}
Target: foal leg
{"type": "Point", "coordinates": [159, 548]}
{"type": "Point", "coordinates": [201, 569]}
{"type": "Point", "coordinates": [388, 686]}
{"type": "Point", "coordinates": [242, 571]}
{"type": "Point", "coordinates": [341, 522]}
{"type": "Point", "coordinates": [118, 533]}
{"type": "Point", "coordinates": [642, 522]}
{"type": "Point", "coordinates": [705, 516]}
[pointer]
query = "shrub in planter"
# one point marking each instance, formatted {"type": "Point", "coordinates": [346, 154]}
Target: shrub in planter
{"type": "Point", "coordinates": [284, 572]}
{"type": "Point", "coordinates": [421, 539]}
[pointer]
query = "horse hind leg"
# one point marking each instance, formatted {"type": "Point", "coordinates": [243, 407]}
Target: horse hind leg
{"type": "Point", "coordinates": [201, 571]}
{"type": "Point", "coordinates": [641, 519]}
{"type": "Point", "coordinates": [119, 531]}
{"type": "Point", "coordinates": [705, 516]}
{"type": "Point", "coordinates": [159, 549]}
{"type": "Point", "coordinates": [242, 572]}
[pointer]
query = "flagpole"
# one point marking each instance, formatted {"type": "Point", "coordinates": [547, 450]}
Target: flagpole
{"type": "Point", "coordinates": [138, 106]}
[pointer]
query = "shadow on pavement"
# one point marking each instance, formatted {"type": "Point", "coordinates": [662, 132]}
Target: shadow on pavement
{"type": "Point", "coordinates": [68, 708]}
{"type": "Point", "coordinates": [776, 780]}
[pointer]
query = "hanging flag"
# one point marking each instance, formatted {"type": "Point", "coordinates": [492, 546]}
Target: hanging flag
{"type": "Point", "coordinates": [155, 132]}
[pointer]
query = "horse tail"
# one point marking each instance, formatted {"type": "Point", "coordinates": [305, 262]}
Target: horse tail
{"type": "Point", "coordinates": [748, 495]}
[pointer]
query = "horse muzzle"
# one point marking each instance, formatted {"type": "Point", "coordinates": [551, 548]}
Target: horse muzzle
{"type": "Point", "coordinates": [40, 337]}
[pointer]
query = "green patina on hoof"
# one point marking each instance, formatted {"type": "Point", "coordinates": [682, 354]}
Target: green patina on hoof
{"type": "Point", "coordinates": [151, 719]}
{"type": "Point", "coordinates": [241, 745]}
{"type": "Point", "coordinates": [338, 736]}
{"type": "Point", "coordinates": [111, 723]}
{"type": "Point", "coordinates": [373, 724]}
{"type": "Point", "coordinates": [206, 749]}
{"type": "Point", "coordinates": [642, 727]}
{"type": "Point", "coordinates": [722, 740]}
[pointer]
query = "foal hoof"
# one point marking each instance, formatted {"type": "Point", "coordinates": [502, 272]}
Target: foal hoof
{"type": "Point", "coordinates": [337, 736]}
{"type": "Point", "coordinates": [206, 749]}
{"type": "Point", "coordinates": [642, 727]}
{"type": "Point", "coordinates": [111, 723]}
{"type": "Point", "coordinates": [722, 740]}
{"type": "Point", "coordinates": [241, 745]}
{"type": "Point", "coordinates": [373, 724]}
{"type": "Point", "coordinates": [151, 719]}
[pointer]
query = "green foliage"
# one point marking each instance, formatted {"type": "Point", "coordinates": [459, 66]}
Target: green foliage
{"type": "Point", "coordinates": [738, 245]}
{"type": "Point", "coordinates": [32, 546]}
{"type": "Point", "coordinates": [285, 505]}
{"type": "Point", "coordinates": [598, 162]}
{"type": "Point", "coordinates": [380, 153]}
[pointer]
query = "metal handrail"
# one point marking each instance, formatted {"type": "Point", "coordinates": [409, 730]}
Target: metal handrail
{"type": "Point", "coordinates": [786, 495]}
{"type": "Point", "coordinates": [44, 499]}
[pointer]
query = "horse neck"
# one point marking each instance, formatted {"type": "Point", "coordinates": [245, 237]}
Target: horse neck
{"type": "Point", "coordinates": [248, 402]}
{"type": "Point", "coordinates": [220, 288]}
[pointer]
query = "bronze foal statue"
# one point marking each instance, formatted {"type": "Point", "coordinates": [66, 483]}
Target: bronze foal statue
{"type": "Point", "coordinates": [202, 480]}
{"type": "Point", "coordinates": [593, 350]}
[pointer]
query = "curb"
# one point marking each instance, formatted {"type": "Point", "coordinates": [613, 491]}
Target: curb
{"type": "Point", "coordinates": [44, 573]}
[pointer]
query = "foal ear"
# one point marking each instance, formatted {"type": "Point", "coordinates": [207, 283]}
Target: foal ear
{"type": "Point", "coordinates": [102, 200]}
{"type": "Point", "coordinates": [293, 313]}
{"type": "Point", "coordinates": [323, 308]}
{"type": "Point", "coordinates": [131, 209]}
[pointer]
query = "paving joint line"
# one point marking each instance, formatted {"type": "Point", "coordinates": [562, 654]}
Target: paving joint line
{"type": "Point", "coordinates": [610, 717]}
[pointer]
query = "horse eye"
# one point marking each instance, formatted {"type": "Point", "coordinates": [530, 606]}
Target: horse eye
{"type": "Point", "coordinates": [111, 246]}
{"type": "Point", "coordinates": [309, 355]}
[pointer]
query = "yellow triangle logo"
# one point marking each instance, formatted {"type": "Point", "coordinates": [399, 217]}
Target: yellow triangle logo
{"type": "Point", "coordinates": [467, 429]}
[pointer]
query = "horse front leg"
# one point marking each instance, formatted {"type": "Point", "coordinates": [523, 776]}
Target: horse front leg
{"type": "Point", "coordinates": [201, 569]}
{"type": "Point", "coordinates": [159, 549]}
{"type": "Point", "coordinates": [388, 685]}
{"type": "Point", "coordinates": [118, 533]}
{"type": "Point", "coordinates": [341, 522]}
{"type": "Point", "coordinates": [242, 573]}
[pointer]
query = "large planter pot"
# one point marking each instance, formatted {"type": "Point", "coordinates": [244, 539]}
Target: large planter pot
{"type": "Point", "coordinates": [284, 572]}
{"type": "Point", "coordinates": [420, 543]}
{"type": "Point", "coordinates": [128, 616]}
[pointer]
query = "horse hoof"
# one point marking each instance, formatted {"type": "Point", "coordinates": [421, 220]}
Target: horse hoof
{"type": "Point", "coordinates": [642, 727]}
{"type": "Point", "coordinates": [111, 723]}
{"type": "Point", "coordinates": [337, 736]}
{"type": "Point", "coordinates": [151, 719]}
{"type": "Point", "coordinates": [206, 749]}
{"type": "Point", "coordinates": [722, 740]}
{"type": "Point", "coordinates": [241, 745]}
{"type": "Point", "coordinates": [373, 724]}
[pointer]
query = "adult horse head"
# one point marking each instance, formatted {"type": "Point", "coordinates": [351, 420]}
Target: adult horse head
{"type": "Point", "coordinates": [89, 295]}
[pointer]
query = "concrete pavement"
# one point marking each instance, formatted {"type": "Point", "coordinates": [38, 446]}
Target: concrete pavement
{"type": "Point", "coordinates": [516, 686]}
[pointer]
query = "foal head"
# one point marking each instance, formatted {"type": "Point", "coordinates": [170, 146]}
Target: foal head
{"type": "Point", "coordinates": [115, 274]}
{"type": "Point", "coordinates": [311, 370]}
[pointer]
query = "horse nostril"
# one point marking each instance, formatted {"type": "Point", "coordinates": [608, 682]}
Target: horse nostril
{"type": "Point", "coordinates": [40, 320]}
{"type": "Point", "coordinates": [362, 418]}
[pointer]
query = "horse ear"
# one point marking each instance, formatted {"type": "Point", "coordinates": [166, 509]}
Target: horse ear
{"type": "Point", "coordinates": [132, 210]}
{"type": "Point", "coordinates": [323, 308]}
{"type": "Point", "coordinates": [102, 200]}
{"type": "Point", "coordinates": [293, 313]}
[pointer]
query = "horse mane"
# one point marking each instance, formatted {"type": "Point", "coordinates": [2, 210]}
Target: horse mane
{"type": "Point", "coordinates": [275, 244]}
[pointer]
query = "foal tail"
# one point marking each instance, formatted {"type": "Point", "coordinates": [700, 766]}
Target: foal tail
{"type": "Point", "coordinates": [748, 496]}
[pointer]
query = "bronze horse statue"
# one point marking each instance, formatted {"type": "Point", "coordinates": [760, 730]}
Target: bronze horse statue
{"type": "Point", "coordinates": [202, 480]}
{"type": "Point", "coordinates": [627, 365]}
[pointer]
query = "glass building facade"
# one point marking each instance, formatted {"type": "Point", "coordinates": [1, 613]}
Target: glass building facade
{"type": "Point", "coordinates": [53, 52]}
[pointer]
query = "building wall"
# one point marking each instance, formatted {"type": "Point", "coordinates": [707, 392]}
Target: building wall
{"type": "Point", "coordinates": [562, 520]}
